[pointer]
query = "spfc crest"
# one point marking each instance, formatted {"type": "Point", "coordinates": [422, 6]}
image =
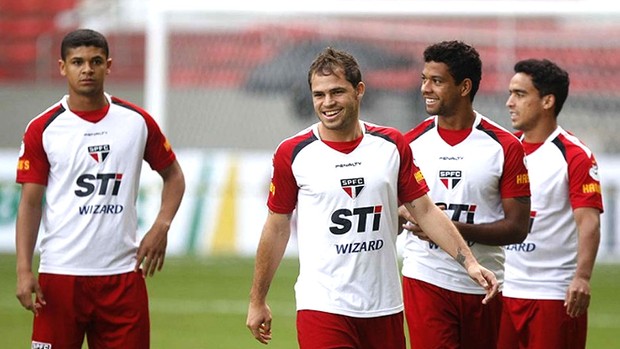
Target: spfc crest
{"type": "Point", "coordinates": [450, 178]}
{"type": "Point", "coordinates": [99, 152]}
{"type": "Point", "coordinates": [352, 186]}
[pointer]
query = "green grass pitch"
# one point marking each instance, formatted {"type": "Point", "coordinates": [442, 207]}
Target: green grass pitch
{"type": "Point", "coordinates": [202, 303]}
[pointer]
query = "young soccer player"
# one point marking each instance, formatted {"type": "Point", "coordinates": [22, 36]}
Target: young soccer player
{"type": "Point", "coordinates": [79, 167]}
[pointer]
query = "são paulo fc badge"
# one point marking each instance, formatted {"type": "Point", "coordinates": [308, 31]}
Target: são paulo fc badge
{"type": "Point", "coordinates": [352, 186]}
{"type": "Point", "coordinates": [99, 152]}
{"type": "Point", "coordinates": [450, 178]}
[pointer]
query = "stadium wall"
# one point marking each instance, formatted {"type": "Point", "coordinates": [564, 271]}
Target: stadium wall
{"type": "Point", "coordinates": [224, 206]}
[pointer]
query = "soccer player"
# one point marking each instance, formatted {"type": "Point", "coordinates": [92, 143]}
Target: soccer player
{"type": "Point", "coordinates": [346, 178]}
{"type": "Point", "coordinates": [476, 173]}
{"type": "Point", "coordinates": [547, 279]}
{"type": "Point", "coordinates": [79, 168]}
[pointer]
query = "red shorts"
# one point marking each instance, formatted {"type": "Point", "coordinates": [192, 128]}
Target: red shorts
{"type": "Point", "coordinates": [320, 330]}
{"type": "Point", "coordinates": [439, 318]}
{"type": "Point", "coordinates": [538, 324]}
{"type": "Point", "coordinates": [111, 310]}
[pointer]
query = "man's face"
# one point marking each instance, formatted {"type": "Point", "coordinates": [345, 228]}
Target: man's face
{"type": "Point", "coordinates": [524, 103]}
{"type": "Point", "coordinates": [336, 103]}
{"type": "Point", "coordinates": [85, 68]}
{"type": "Point", "coordinates": [440, 92]}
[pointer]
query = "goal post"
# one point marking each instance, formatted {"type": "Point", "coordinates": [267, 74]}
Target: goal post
{"type": "Point", "coordinates": [206, 29]}
{"type": "Point", "coordinates": [231, 75]}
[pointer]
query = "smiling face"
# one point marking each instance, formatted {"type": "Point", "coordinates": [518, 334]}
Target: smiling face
{"type": "Point", "coordinates": [442, 96]}
{"type": "Point", "coordinates": [85, 68]}
{"type": "Point", "coordinates": [336, 103]}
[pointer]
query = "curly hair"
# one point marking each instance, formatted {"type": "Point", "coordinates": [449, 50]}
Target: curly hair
{"type": "Point", "coordinates": [463, 61]}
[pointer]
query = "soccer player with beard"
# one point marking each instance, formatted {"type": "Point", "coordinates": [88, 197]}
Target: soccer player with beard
{"type": "Point", "coordinates": [547, 279]}
{"type": "Point", "coordinates": [346, 178]}
{"type": "Point", "coordinates": [476, 173]}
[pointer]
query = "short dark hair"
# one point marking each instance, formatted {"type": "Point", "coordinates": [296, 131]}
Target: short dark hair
{"type": "Point", "coordinates": [330, 60]}
{"type": "Point", "coordinates": [548, 78]}
{"type": "Point", "coordinates": [463, 61]}
{"type": "Point", "coordinates": [83, 37]}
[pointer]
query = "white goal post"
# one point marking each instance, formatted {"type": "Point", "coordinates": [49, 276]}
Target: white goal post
{"type": "Point", "coordinates": [162, 14]}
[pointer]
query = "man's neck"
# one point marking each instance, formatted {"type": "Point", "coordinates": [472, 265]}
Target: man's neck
{"type": "Point", "coordinates": [86, 103]}
{"type": "Point", "coordinates": [540, 133]}
{"type": "Point", "coordinates": [459, 121]}
{"type": "Point", "coordinates": [348, 135]}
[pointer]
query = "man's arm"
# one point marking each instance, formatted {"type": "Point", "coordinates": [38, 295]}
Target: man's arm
{"type": "Point", "coordinates": [26, 231]}
{"type": "Point", "coordinates": [511, 229]}
{"type": "Point", "coordinates": [152, 250]}
{"type": "Point", "coordinates": [271, 248]}
{"type": "Point", "coordinates": [442, 231]}
{"type": "Point", "coordinates": [589, 235]}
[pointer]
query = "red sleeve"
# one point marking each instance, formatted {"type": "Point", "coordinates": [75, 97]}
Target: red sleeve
{"type": "Point", "coordinates": [583, 181]}
{"type": "Point", "coordinates": [158, 152]}
{"type": "Point", "coordinates": [411, 182]}
{"type": "Point", "coordinates": [283, 188]}
{"type": "Point", "coordinates": [515, 181]}
{"type": "Point", "coordinates": [33, 165]}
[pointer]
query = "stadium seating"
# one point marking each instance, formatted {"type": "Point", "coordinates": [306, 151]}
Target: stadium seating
{"type": "Point", "coordinates": [221, 59]}
{"type": "Point", "coordinates": [23, 23]}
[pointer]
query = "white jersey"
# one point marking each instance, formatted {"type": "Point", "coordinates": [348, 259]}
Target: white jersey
{"type": "Point", "coordinates": [92, 170]}
{"type": "Point", "coordinates": [563, 176]}
{"type": "Point", "coordinates": [347, 217]}
{"type": "Point", "coordinates": [469, 180]}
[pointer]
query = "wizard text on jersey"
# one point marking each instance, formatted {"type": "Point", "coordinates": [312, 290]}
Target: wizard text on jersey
{"type": "Point", "coordinates": [344, 220]}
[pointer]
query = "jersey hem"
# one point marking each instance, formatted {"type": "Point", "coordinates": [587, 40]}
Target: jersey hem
{"type": "Point", "coordinates": [357, 314]}
{"type": "Point", "coordinates": [85, 272]}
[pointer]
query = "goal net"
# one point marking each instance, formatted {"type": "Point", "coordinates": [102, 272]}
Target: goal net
{"type": "Point", "coordinates": [233, 74]}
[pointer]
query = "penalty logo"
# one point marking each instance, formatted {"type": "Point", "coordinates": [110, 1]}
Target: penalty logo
{"type": "Point", "coordinates": [450, 178]}
{"type": "Point", "coordinates": [352, 186]}
{"type": "Point", "coordinates": [99, 152]}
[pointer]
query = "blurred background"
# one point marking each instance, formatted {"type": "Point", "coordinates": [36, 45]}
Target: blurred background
{"type": "Point", "coordinates": [228, 81]}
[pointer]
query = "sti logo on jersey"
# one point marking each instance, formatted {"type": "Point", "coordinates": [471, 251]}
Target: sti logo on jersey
{"type": "Point", "coordinates": [450, 178]}
{"type": "Point", "coordinates": [99, 152]}
{"type": "Point", "coordinates": [352, 186]}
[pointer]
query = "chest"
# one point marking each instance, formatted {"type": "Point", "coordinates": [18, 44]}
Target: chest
{"type": "Point", "coordinates": [71, 142]}
{"type": "Point", "coordinates": [478, 160]}
{"type": "Point", "coordinates": [324, 172]}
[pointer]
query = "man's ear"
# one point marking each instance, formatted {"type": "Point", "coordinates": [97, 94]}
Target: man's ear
{"type": "Point", "coordinates": [61, 67]}
{"type": "Point", "coordinates": [360, 89]}
{"type": "Point", "coordinates": [549, 101]}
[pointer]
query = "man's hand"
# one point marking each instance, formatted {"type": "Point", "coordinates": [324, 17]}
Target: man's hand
{"type": "Point", "coordinates": [484, 278]}
{"type": "Point", "coordinates": [259, 322]}
{"type": "Point", "coordinates": [27, 284]}
{"type": "Point", "coordinates": [577, 298]}
{"type": "Point", "coordinates": [152, 251]}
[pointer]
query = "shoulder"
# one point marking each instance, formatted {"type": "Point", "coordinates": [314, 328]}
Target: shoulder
{"type": "Point", "coordinates": [423, 127]}
{"type": "Point", "coordinates": [387, 133]}
{"type": "Point", "coordinates": [43, 120]}
{"type": "Point", "coordinates": [497, 132]}
{"type": "Point", "coordinates": [128, 105]}
{"type": "Point", "coordinates": [135, 110]}
{"type": "Point", "coordinates": [571, 147]}
{"type": "Point", "coordinates": [291, 146]}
